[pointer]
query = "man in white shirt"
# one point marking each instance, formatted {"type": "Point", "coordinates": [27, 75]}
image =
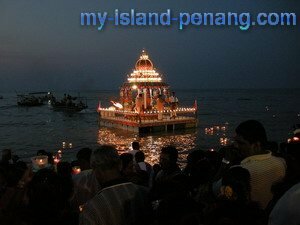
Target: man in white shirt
{"type": "Point", "coordinates": [286, 211]}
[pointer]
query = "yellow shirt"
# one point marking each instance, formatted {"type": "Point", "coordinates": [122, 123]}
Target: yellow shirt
{"type": "Point", "coordinates": [265, 170]}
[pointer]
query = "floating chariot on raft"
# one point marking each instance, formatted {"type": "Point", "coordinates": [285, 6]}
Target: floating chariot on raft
{"type": "Point", "coordinates": [146, 103]}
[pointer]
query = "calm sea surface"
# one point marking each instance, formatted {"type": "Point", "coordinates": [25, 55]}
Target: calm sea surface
{"type": "Point", "coordinates": [26, 130]}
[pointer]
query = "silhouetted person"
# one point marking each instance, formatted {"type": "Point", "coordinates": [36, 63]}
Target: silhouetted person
{"type": "Point", "coordinates": [6, 157]}
{"type": "Point", "coordinates": [48, 200]}
{"type": "Point", "coordinates": [127, 169]}
{"type": "Point", "coordinates": [119, 202]}
{"type": "Point", "coordinates": [168, 162]}
{"type": "Point", "coordinates": [168, 173]}
{"type": "Point", "coordinates": [135, 145]}
{"type": "Point", "coordinates": [84, 156]}
{"type": "Point", "coordinates": [143, 169]}
{"type": "Point", "coordinates": [141, 164]}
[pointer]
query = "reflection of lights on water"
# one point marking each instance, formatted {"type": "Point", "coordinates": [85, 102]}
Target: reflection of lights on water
{"type": "Point", "coordinates": [224, 141]}
{"type": "Point", "coordinates": [216, 129]}
{"type": "Point", "coordinates": [65, 145]}
{"type": "Point", "coordinates": [150, 145]}
{"type": "Point", "coordinates": [209, 131]}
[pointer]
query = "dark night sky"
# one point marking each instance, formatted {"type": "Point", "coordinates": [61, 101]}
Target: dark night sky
{"type": "Point", "coordinates": [43, 46]}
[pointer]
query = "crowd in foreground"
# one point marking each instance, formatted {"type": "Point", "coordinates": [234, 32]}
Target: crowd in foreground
{"type": "Point", "coordinates": [250, 182]}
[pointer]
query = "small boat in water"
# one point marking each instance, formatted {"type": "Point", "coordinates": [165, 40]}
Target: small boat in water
{"type": "Point", "coordinates": [43, 95]}
{"type": "Point", "coordinates": [70, 104]}
{"type": "Point", "coordinates": [34, 98]}
{"type": "Point", "coordinates": [29, 100]}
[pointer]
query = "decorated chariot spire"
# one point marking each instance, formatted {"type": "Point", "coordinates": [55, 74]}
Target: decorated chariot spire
{"type": "Point", "coordinates": [144, 71]}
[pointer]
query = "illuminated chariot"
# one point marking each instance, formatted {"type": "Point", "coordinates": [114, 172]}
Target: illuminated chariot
{"type": "Point", "coordinates": [146, 103]}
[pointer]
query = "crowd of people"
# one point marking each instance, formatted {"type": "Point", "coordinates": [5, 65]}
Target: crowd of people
{"type": "Point", "coordinates": [249, 182]}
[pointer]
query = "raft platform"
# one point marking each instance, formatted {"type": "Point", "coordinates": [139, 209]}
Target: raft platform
{"type": "Point", "coordinates": [147, 122]}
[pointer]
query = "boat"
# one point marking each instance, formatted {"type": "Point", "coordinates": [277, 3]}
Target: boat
{"type": "Point", "coordinates": [43, 95]}
{"type": "Point", "coordinates": [29, 100]}
{"type": "Point", "coordinates": [146, 103]}
{"type": "Point", "coordinates": [34, 98]}
{"type": "Point", "coordinates": [70, 104]}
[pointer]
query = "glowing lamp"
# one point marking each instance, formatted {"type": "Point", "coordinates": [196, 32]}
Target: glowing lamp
{"type": "Point", "coordinates": [295, 139]}
{"type": "Point", "coordinates": [76, 169]}
{"type": "Point", "coordinates": [56, 160]}
{"type": "Point", "coordinates": [39, 162]}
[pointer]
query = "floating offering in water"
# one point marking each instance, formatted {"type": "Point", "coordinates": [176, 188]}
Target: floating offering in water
{"type": "Point", "coordinates": [224, 141]}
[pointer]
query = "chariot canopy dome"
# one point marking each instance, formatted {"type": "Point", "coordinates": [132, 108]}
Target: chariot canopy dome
{"type": "Point", "coordinates": [144, 74]}
{"type": "Point", "coordinates": [144, 63]}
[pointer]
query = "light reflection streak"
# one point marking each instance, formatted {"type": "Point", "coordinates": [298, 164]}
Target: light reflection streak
{"type": "Point", "coordinates": [219, 130]}
{"type": "Point", "coordinates": [150, 144]}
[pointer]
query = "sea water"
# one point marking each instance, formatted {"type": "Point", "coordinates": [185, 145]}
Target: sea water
{"type": "Point", "coordinates": [26, 130]}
